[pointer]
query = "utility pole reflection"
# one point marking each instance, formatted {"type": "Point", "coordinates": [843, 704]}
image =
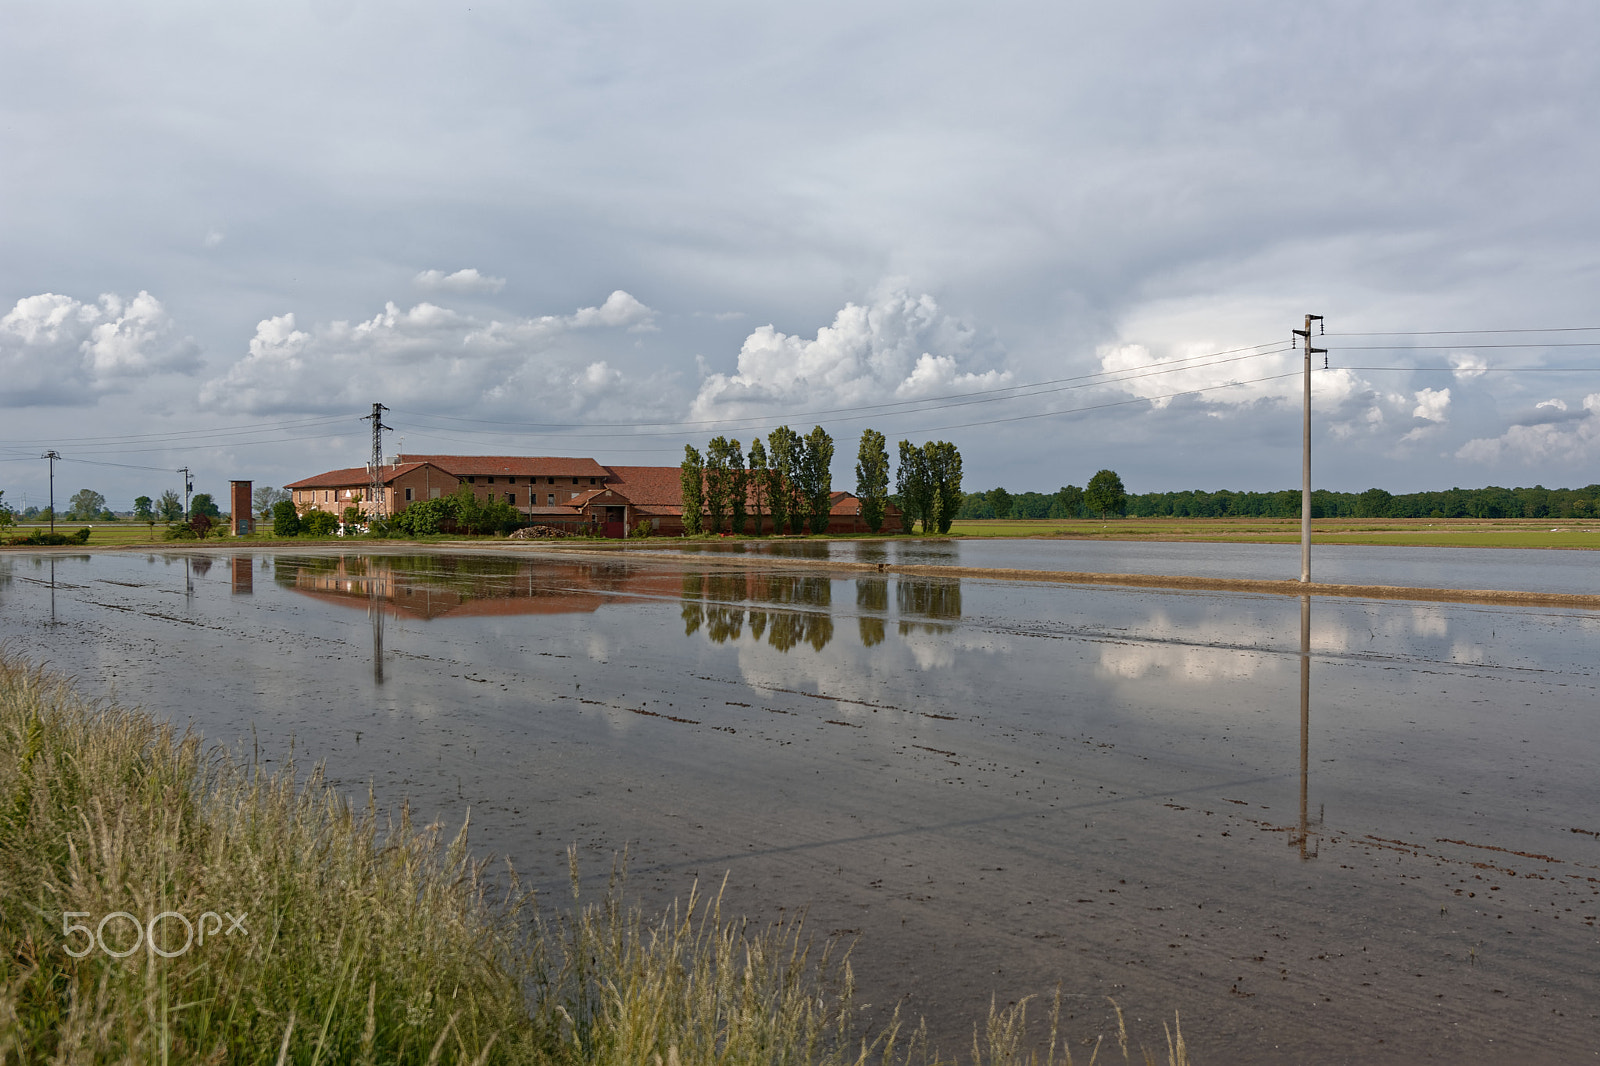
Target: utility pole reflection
{"type": "Point", "coordinates": [1305, 726]}
{"type": "Point", "coordinates": [375, 609]}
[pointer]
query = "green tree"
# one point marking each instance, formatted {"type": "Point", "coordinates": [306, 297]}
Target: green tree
{"type": "Point", "coordinates": [1001, 501]}
{"type": "Point", "coordinates": [738, 490]}
{"type": "Point", "coordinates": [817, 477]}
{"type": "Point", "coordinates": [914, 487]}
{"type": "Point", "coordinates": [1105, 494]}
{"type": "Point", "coordinates": [319, 523]}
{"type": "Point", "coordinates": [786, 452]}
{"type": "Point", "coordinates": [872, 477]}
{"type": "Point", "coordinates": [719, 481]}
{"type": "Point", "coordinates": [756, 479]}
{"type": "Point", "coordinates": [285, 521]}
{"type": "Point", "coordinates": [202, 503]}
{"type": "Point", "coordinates": [85, 505]}
{"type": "Point", "coordinates": [1374, 503]}
{"type": "Point", "coordinates": [201, 523]}
{"type": "Point", "coordinates": [143, 512]}
{"type": "Point", "coordinates": [1068, 502]}
{"type": "Point", "coordinates": [693, 481]}
{"type": "Point", "coordinates": [169, 506]}
{"type": "Point", "coordinates": [265, 498]}
{"type": "Point", "coordinates": [944, 473]}
{"type": "Point", "coordinates": [5, 512]}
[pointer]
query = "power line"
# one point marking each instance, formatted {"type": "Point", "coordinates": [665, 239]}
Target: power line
{"type": "Point", "coordinates": [185, 434]}
{"type": "Point", "coordinates": [1429, 347]}
{"type": "Point", "coordinates": [922, 404]}
{"type": "Point", "coordinates": [1468, 332]}
{"type": "Point", "coordinates": [1483, 369]}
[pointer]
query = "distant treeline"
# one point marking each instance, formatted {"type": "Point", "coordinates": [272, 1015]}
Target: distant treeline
{"type": "Point", "coordinates": [1490, 502]}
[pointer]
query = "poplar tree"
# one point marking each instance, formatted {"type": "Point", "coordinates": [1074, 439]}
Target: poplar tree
{"type": "Point", "coordinates": [738, 488]}
{"type": "Point", "coordinates": [693, 481]}
{"type": "Point", "coordinates": [717, 483]}
{"type": "Point", "coordinates": [818, 479]}
{"type": "Point", "coordinates": [756, 478]}
{"type": "Point", "coordinates": [944, 473]}
{"type": "Point", "coordinates": [872, 477]}
{"type": "Point", "coordinates": [786, 452]}
{"type": "Point", "coordinates": [913, 487]}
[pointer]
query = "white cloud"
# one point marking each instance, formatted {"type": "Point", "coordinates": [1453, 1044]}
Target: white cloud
{"type": "Point", "coordinates": [1432, 405]}
{"type": "Point", "coordinates": [214, 237]}
{"type": "Point", "coordinates": [620, 309]}
{"type": "Point", "coordinates": [898, 347]}
{"type": "Point", "coordinates": [1573, 439]}
{"type": "Point", "coordinates": [57, 350]}
{"type": "Point", "coordinates": [1468, 366]}
{"type": "Point", "coordinates": [438, 357]}
{"type": "Point", "coordinates": [1185, 368]}
{"type": "Point", "coordinates": [467, 280]}
{"type": "Point", "coordinates": [1559, 405]}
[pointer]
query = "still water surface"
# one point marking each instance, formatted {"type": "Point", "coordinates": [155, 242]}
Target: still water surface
{"type": "Point", "coordinates": [994, 786]}
{"type": "Point", "coordinates": [1525, 569]}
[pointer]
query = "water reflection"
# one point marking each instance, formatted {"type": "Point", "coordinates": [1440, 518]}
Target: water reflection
{"type": "Point", "coordinates": [435, 586]}
{"type": "Point", "coordinates": [243, 575]}
{"type": "Point", "coordinates": [1303, 836]}
{"type": "Point", "coordinates": [783, 610]}
{"type": "Point", "coordinates": [872, 601]}
{"type": "Point", "coordinates": [928, 598]}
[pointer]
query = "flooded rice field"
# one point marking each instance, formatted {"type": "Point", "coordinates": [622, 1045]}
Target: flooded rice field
{"type": "Point", "coordinates": [1519, 569]}
{"type": "Point", "coordinates": [1324, 831]}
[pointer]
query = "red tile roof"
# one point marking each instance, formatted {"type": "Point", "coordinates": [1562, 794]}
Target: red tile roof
{"type": "Point", "coordinates": [511, 465]}
{"type": "Point", "coordinates": [353, 476]}
{"type": "Point", "coordinates": [647, 486]}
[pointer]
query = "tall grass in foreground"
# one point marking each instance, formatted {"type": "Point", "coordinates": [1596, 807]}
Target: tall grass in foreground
{"type": "Point", "coordinates": [359, 939]}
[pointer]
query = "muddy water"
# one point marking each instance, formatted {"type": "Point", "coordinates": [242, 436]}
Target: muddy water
{"type": "Point", "coordinates": [993, 787]}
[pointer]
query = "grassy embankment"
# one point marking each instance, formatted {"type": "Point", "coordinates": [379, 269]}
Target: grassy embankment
{"type": "Point", "coordinates": [1403, 532]}
{"type": "Point", "coordinates": [360, 939]}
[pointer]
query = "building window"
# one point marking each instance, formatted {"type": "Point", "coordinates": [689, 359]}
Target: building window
{"type": "Point", "coordinates": [488, 481]}
{"type": "Point", "coordinates": [594, 481]}
{"type": "Point", "coordinates": [574, 481]}
{"type": "Point", "coordinates": [470, 481]}
{"type": "Point", "coordinates": [511, 498]}
{"type": "Point", "coordinates": [550, 480]}
{"type": "Point", "coordinates": [552, 498]}
{"type": "Point", "coordinates": [408, 495]}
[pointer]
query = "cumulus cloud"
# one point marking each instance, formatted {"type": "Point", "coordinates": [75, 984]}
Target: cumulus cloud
{"type": "Point", "coordinates": [899, 346]}
{"type": "Point", "coordinates": [465, 281]}
{"type": "Point", "coordinates": [1557, 404]}
{"type": "Point", "coordinates": [58, 350]}
{"type": "Point", "coordinates": [1433, 405]}
{"type": "Point", "coordinates": [1569, 438]}
{"type": "Point", "coordinates": [1223, 381]}
{"type": "Point", "coordinates": [437, 356]}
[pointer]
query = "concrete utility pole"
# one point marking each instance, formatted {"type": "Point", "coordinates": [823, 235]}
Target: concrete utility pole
{"type": "Point", "coordinates": [188, 487]}
{"type": "Point", "coordinates": [52, 455]}
{"type": "Point", "coordinates": [376, 488]}
{"type": "Point", "coordinates": [1305, 458]}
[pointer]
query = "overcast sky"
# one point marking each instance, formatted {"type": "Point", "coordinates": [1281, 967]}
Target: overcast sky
{"type": "Point", "coordinates": [226, 230]}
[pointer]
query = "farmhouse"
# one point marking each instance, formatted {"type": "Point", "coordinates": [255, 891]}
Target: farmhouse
{"type": "Point", "coordinates": [576, 495]}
